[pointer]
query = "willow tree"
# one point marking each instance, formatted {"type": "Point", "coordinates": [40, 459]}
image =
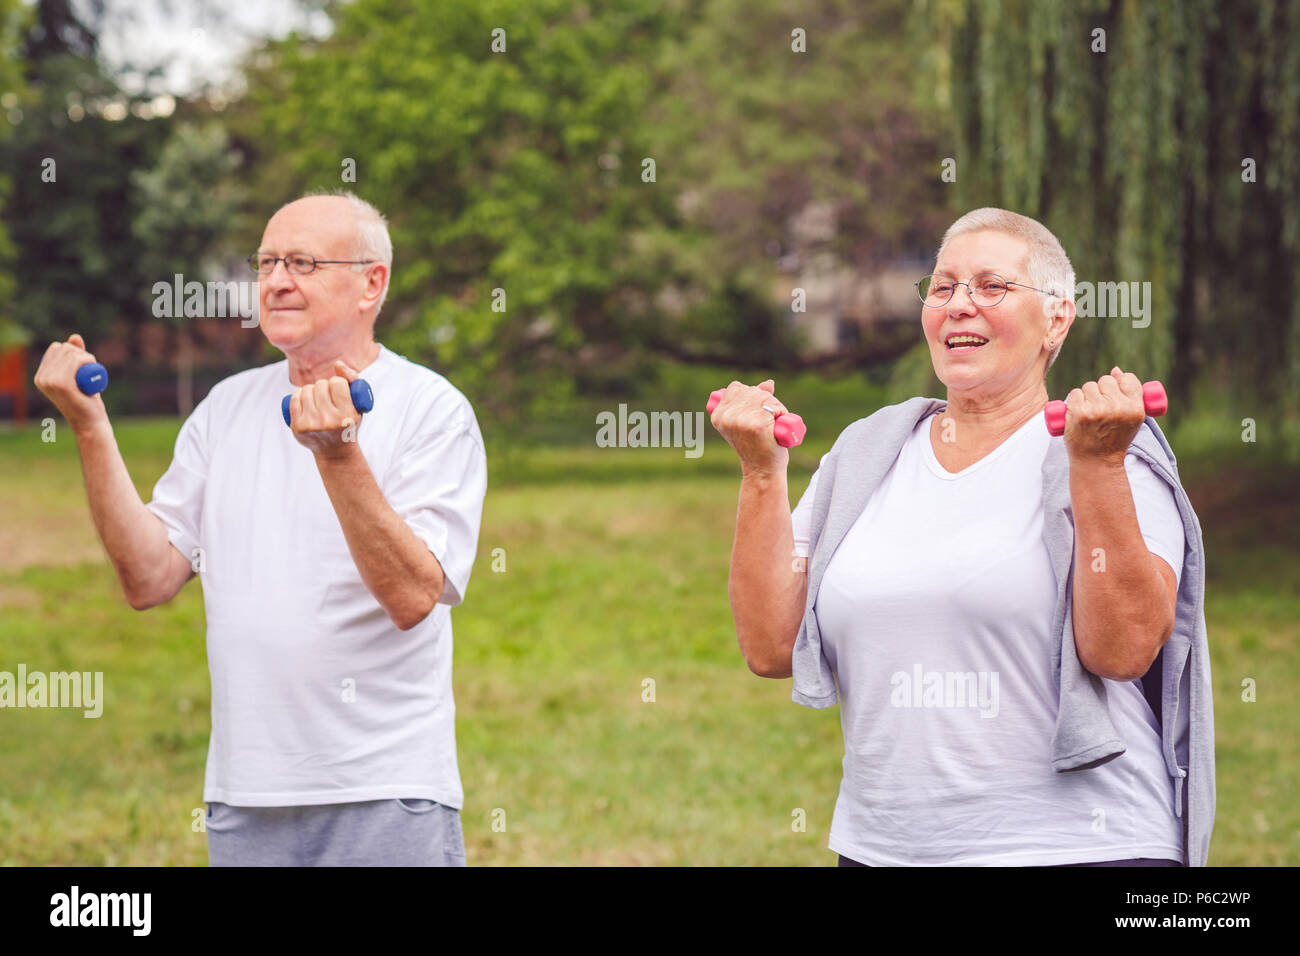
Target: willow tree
{"type": "Point", "coordinates": [12, 15]}
{"type": "Point", "coordinates": [1161, 143]}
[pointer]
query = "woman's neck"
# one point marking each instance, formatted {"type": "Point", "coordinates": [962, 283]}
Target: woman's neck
{"type": "Point", "coordinates": [980, 420]}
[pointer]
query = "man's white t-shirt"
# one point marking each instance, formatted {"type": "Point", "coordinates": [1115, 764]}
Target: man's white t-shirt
{"type": "Point", "coordinates": [317, 696]}
{"type": "Point", "coordinates": [935, 615]}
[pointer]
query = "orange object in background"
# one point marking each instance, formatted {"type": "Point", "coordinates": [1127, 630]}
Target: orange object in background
{"type": "Point", "coordinates": [13, 379]}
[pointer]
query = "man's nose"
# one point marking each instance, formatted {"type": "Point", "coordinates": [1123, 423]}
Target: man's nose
{"type": "Point", "coordinates": [279, 278]}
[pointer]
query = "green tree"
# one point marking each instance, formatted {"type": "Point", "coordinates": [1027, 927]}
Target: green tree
{"type": "Point", "coordinates": [13, 16]}
{"type": "Point", "coordinates": [527, 169]}
{"type": "Point", "coordinates": [70, 158]}
{"type": "Point", "coordinates": [488, 165]}
{"type": "Point", "coordinates": [187, 203]}
{"type": "Point", "coordinates": [773, 107]}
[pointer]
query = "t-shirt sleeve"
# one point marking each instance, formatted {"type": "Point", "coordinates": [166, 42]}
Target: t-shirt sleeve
{"type": "Point", "coordinates": [1157, 513]}
{"type": "Point", "coordinates": [801, 517]}
{"type": "Point", "coordinates": [437, 487]}
{"type": "Point", "coordinates": [178, 494]}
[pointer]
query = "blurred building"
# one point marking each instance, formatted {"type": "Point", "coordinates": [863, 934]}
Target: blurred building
{"type": "Point", "coordinates": [844, 304]}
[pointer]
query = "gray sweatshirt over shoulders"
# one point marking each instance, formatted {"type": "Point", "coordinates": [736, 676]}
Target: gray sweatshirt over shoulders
{"type": "Point", "coordinates": [1178, 684]}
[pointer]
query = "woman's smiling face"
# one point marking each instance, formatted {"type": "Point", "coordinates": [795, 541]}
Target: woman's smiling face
{"type": "Point", "coordinates": [1014, 331]}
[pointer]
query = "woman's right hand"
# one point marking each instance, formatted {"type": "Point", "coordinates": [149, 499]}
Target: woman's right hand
{"type": "Point", "coordinates": [57, 379]}
{"type": "Point", "coordinates": [748, 427]}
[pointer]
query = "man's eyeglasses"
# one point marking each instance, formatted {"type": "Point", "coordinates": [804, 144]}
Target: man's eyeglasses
{"type": "Point", "coordinates": [986, 289]}
{"type": "Point", "coordinates": [299, 265]}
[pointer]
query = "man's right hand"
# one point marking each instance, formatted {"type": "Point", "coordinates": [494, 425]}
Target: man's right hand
{"type": "Point", "coordinates": [57, 379]}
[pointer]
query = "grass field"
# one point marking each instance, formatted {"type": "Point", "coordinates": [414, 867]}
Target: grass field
{"type": "Point", "coordinates": [616, 567]}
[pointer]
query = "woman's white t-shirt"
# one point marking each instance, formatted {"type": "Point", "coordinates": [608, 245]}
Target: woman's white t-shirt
{"type": "Point", "coordinates": [936, 617]}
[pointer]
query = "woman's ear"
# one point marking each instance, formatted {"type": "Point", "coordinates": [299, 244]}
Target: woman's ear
{"type": "Point", "coordinates": [1062, 318]}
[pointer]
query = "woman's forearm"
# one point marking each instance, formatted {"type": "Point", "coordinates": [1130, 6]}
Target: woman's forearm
{"type": "Point", "coordinates": [1122, 613]}
{"type": "Point", "coordinates": [768, 585]}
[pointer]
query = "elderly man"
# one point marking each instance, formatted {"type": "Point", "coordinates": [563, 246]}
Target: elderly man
{"type": "Point", "coordinates": [331, 553]}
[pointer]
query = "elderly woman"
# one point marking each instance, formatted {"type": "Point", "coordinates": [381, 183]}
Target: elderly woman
{"type": "Point", "coordinates": [1012, 623]}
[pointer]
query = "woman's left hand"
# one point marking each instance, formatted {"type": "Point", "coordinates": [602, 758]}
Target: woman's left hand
{"type": "Point", "coordinates": [1103, 417]}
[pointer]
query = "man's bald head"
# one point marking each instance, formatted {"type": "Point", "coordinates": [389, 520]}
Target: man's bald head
{"type": "Point", "coordinates": [337, 302]}
{"type": "Point", "coordinates": [349, 218]}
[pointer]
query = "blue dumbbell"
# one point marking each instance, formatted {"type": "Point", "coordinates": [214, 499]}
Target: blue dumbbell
{"type": "Point", "coordinates": [363, 399]}
{"type": "Point", "coordinates": [92, 379]}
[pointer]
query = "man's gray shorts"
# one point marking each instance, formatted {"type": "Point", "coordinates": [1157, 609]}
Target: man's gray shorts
{"type": "Point", "coordinates": [393, 832]}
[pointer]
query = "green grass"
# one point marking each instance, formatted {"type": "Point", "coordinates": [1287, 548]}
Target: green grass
{"type": "Point", "coordinates": [616, 565]}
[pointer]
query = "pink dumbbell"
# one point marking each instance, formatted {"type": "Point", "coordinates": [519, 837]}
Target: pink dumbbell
{"type": "Point", "coordinates": [1153, 397]}
{"type": "Point", "coordinates": [788, 428]}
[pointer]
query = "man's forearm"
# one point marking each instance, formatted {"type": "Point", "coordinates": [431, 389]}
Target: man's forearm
{"type": "Point", "coordinates": [395, 565]}
{"type": "Point", "coordinates": [133, 536]}
{"type": "Point", "coordinates": [1121, 610]}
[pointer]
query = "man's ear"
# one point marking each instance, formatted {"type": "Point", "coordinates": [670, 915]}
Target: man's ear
{"type": "Point", "coordinates": [376, 276]}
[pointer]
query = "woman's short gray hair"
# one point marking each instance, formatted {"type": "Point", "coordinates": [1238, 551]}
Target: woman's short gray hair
{"type": "Point", "coordinates": [1049, 266]}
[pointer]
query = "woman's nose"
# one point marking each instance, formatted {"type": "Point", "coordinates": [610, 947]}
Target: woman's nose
{"type": "Point", "coordinates": [961, 302]}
